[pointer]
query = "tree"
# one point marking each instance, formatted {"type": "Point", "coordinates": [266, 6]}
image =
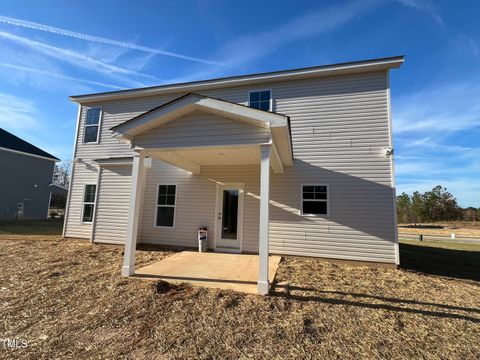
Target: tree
{"type": "Point", "coordinates": [404, 207]}
{"type": "Point", "coordinates": [61, 174]}
{"type": "Point", "coordinates": [435, 205]}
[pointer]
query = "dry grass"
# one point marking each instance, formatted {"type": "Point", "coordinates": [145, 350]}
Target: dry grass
{"type": "Point", "coordinates": [68, 300]}
{"type": "Point", "coordinates": [460, 228]}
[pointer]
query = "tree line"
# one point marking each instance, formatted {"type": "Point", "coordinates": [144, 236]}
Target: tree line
{"type": "Point", "coordinates": [435, 205]}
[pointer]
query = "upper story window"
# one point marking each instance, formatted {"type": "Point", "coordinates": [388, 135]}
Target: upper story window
{"type": "Point", "coordinates": [315, 200]}
{"type": "Point", "coordinates": [92, 125]}
{"type": "Point", "coordinates": [261, 100]}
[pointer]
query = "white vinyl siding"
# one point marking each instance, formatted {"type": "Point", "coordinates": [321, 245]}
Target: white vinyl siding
{"type": "Point", "coordinates": [112, 204]}
{"type": "Point", "coordinates": [339, 129]}
{"type": "Point", "coordinates": [202, 129]}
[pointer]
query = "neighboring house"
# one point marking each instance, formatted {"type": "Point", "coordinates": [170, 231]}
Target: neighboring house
{"type": "Point", "coordinates": [295, 162]}
{"type": "Point", "coordinates": [26, 174]}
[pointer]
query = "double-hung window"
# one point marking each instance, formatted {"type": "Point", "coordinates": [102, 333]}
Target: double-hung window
{"type": "Point", "coordinates": [315, 200]}
{"type": "Point", "coordinates": [92, 125]}
{"type": "Point", "coordinates": [165, 208]}
{"type": "Point", "coordinates": [261, 100]}
{"type": "Point", "coordinates": [88, 203]}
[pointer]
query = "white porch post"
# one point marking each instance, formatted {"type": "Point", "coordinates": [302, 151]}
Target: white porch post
{"type": "Point", "coordinates": [262, 284]}
{"type": "Point", "coordinates": [128, 268]}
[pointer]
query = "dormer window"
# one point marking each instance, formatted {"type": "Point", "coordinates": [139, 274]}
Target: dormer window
{"type": "Point", "coordinates": [261, 100]}
{"type": "Point", "coordinates": [92, 125]}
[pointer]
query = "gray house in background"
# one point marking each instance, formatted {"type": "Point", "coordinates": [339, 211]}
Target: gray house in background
{"type": "Point", "coordinates": [26, 174]}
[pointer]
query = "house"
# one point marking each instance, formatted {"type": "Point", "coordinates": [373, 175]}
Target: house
{"type": "Point", "coordinates": [295, 162]}
{"type": "Point", "coordinates": [25, 179]}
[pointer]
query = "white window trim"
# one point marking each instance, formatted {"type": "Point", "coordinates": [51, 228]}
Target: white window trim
{"type": "Point", "coordinates": [174, 208]}
{"type": "Point", "coordinates": [258, 90]}
{"type": "Point", "coordinates": [89, 203]}
{"type": "Point", "coordinates": [319, 200]}
{"type": "Point", "coordinates": [100, 116]}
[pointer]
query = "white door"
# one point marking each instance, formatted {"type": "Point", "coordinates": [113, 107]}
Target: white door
{"type": "Point", "coordinates": [229, 217]}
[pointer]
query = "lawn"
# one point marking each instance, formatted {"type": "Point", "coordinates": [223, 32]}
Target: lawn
{"type": "Point", "coordinates": [67, 300]}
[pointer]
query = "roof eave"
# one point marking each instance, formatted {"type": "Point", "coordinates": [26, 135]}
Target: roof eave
{"type": "Point", "coordinates": [311, 72]}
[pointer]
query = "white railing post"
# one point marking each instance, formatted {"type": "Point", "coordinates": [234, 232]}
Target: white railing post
{"type": "Point", "coordinates": [263, 285]}
{"type": "Point", "coordinates": [128, 267]}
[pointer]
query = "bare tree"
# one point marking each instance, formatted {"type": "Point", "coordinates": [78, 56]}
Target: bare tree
{"type": "Point", "coordinates": [61, 175]}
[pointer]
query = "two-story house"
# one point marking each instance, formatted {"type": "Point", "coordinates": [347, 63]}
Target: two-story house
{"type": "Point", "coordinates": [295, 162]}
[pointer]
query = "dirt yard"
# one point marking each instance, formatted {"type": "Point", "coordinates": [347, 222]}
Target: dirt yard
{"type": "Point", "coordinates": [67, 300]}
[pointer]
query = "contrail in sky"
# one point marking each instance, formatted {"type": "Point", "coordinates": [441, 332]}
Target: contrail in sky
{"type": "Point", "coordinates": [100, 40]}
{"type": "Point", "coordinates": [59, 76]}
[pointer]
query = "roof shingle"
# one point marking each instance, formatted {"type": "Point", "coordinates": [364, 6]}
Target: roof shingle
{"type": "Point", "coordinates": [12, 142]}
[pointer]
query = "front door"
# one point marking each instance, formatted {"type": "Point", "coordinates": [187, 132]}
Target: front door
{"type": "Point", "coordinates": [229, 217]}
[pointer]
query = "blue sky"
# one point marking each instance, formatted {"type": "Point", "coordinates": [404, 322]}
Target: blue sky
{"type": "Point", "coordinates": [52, 49]}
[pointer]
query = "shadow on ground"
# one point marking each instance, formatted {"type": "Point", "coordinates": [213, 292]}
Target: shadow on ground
{"type": "Point", "coordinates": [458, 264]}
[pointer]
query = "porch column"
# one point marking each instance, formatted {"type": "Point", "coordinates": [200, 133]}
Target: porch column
{"type": "Point", "coordinates": [262, 284]}
{"type": "Point", "coordinates": [128, 268]}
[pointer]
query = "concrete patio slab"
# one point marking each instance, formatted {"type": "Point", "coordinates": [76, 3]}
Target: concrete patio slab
{"type": "Point", "coordinates": [238, 272]}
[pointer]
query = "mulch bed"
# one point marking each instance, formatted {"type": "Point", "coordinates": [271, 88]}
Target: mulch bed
{"type": "Point", "coordinates": [68, 300]}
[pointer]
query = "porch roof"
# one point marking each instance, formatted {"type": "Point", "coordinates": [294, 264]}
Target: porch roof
{"type": "Point", "coordinates": [189, 155]}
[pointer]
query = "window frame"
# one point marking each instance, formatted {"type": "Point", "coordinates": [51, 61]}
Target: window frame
{"type": "Point", "coordinates": [94, 203]}
{"type": "Point", "coordinates": [260, 90]}
{"type": "Point", "coordinates": [327, 201]}
{"type": "Point", "coordinates": [100, 116]}
{"type": "Point", "coordinates": [157, 206]}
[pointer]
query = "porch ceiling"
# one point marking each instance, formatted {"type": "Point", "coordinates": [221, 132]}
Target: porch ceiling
{"type": "Point", "coordinates": [192, 159]}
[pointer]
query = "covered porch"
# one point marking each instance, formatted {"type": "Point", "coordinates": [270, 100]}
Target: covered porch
{"type": "Point", "coordinates": [195, 131]}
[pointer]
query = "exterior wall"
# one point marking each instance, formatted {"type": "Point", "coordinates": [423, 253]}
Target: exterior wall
{"type": "Point", "coordinates": [200, 129]}
{"type": "Point", "coordinates": [340, 127]}
{"type": "Point", "coordinates": [24, 179]}
{"type": "Point", "coordinates": [195, 205]}
{"type": "Point", "coordinates": [111, 213]}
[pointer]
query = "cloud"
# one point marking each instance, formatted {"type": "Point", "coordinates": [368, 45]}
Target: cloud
{"type": "Point", "coordinates": [424, 5]}
{"type": "Point", "coordinates": [18, 114]}
{"type": "Point", "coordinates": [448, 108]}
{"type": "Point", "coordinates": [98, 39]}
{"type": "Point", "coordinates": [76, 58]}
{"type": "Point", "coordinates": [243, 50]}
{"type": "Point", "coordinates": [59, 76]}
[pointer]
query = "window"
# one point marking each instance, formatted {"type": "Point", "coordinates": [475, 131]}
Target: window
{"type": "Point", "coordinates": [260, 100]}
{"type": "Point", "coordinates": [88, 203]}
{"type": "Point", "coordinates": [315, 200]}
{"type": "Point", "coordinates": [166, 199]}
{"type": "Point", "coordinates": [92, 124]}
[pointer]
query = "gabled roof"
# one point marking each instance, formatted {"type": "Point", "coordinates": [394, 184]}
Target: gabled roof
{"type": "Point", "coordinates": [352, 67]}
{"type": "Point", "coordinates": [13, 143]}
{"type": "Point", "coordinates": [190, 102]}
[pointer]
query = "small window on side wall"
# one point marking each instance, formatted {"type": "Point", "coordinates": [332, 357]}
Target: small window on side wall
{"type": "Point", "coordinates": [92, 125]}
{"type": "Point", "coordinates": [165, 208]}
{"type": "Point", "coordinates": [315, 200]}
{"type": "Point", "coordinates": [260, 100]}
{"type": "Point", "coordinates": [88, 203]}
